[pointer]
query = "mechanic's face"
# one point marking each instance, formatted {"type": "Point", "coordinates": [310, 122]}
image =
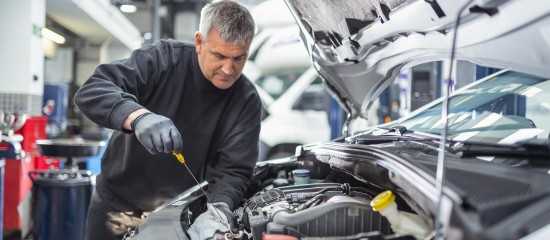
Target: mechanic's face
{"type": "Point", "coordinates": [221, 63]}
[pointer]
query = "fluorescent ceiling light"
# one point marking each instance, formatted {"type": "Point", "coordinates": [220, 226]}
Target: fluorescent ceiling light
{"type": "Point", "coordinates": [55, 37]}
{"type": "Point", "coordinates": [128, 8]}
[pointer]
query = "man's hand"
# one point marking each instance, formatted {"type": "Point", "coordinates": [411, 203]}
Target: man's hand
{"type": "Point", "coordinates": [214, 223]}
{"type": "Point", "coordinates": [157, 133]}
{"type": "Point", "coordinates": [223, 208]}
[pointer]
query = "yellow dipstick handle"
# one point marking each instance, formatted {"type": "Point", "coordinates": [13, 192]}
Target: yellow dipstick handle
{"type": "Point", "coordinates": [179, 156]}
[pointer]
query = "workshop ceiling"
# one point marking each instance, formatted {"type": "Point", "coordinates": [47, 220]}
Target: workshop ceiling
{"type": "Point", "coordinates": [93, 28]}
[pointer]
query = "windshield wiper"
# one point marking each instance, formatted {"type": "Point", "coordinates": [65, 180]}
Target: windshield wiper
{"type": "Point", "coordinates": [535, 148]}
{"type": "Point", "coordinates": [393, 134]}
{"type": "Point", "coordinates": [398, 130]}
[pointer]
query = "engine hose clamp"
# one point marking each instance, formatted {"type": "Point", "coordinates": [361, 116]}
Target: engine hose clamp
{"type": "Point", "coordinates": [346, 189]}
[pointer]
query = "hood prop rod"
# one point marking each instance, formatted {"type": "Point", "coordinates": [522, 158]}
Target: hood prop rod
{"type": "Point", "coordinates": [440, 172]}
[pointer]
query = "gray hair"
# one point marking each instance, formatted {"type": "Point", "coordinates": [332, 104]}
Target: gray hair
{"type": "Point", "coordinates": [231, 19]}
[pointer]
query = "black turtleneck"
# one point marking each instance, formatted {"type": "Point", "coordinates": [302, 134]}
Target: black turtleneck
{"type": "Point", "coordinates": [220, 128]}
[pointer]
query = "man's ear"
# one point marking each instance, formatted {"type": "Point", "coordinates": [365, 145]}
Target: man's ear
{"type": "Point", "coordinates": [198, 42]}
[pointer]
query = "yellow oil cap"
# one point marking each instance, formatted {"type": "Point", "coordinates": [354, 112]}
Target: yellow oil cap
{"type": "Point", "coordinates": [383, 200]}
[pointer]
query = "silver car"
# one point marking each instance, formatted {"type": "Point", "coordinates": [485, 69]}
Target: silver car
{"type": "Point", "coordinates": [471, 165]}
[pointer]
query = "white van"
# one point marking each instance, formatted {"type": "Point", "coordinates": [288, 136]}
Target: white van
{"type": "Point", "coordinates": [291, 91]}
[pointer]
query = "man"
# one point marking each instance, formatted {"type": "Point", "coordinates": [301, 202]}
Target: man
{"type": "Point", "coordinates": [172, 96]}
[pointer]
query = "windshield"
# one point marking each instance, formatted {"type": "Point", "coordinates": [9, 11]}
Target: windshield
{"type": "Point", "coordinates": [505, 108]}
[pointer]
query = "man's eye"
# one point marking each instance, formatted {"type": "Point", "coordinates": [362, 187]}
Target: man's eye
{"type": "Point", "coordinates": [218, 56]}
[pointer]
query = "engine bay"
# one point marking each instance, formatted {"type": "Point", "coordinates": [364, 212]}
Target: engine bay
{"type": "Point", "coordinates": [330, 205]}
{"type": "Point", "coordinates": [345, 197]}
{"type": "Point", "coordinates": [312, 210]}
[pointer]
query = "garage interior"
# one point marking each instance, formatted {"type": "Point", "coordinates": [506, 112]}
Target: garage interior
{"type": "Point", "coordinates": [51, 47]}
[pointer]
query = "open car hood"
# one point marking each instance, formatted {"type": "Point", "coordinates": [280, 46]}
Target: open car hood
{"type": "Point", "coordinates": [359, 47]}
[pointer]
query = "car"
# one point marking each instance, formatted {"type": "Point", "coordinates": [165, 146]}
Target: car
{"type": "Point", "coordinates": [291, 90]}
{"type": "Point", "coordinates": [473, 164]}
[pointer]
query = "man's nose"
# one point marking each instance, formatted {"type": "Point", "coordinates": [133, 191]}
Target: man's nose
{"type": "Point", "coordinates": [228, 66]}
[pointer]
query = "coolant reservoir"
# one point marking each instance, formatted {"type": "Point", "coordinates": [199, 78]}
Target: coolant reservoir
{"type": "Point", "coordinates": [401, 222]}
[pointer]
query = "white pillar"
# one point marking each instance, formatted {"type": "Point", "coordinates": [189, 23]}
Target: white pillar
{"type": "Point", "coordinates": [21, 55]}
{"type": "Point", "coordinates": [404, 81]}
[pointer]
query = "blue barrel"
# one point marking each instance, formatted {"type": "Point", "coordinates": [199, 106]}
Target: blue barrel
{"type": "Point", "coordinates": [61, 200]}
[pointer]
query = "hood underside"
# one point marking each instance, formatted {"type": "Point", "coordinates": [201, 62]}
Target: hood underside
{"type": "Point", "coordinates": [359, 47]}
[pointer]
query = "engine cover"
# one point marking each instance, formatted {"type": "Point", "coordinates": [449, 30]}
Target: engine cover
{"type": "Point", "coordinates": [276, 212]}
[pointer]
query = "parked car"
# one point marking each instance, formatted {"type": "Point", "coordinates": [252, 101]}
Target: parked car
{"type": "Point", "coordinates": [291, 90]}
{"type": "Point", "coordinates": [471, 166]}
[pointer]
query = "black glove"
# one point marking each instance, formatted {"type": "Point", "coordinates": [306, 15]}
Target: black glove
{"type": "Point", "coordinates": [157, 133]}
{"type": "Point", "coordinates": [224, 209]}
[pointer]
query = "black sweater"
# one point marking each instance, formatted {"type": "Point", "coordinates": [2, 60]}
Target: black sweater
{"type": "Point", "coordinates": [220, 128]}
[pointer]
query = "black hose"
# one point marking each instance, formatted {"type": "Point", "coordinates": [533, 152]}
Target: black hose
{"type": "Point", "coordinates": [308, 204]}
{"type": "Point", "coordinates": [317, 202]}
{"type": "Point", "coordinates": [371, 193]}
{"type": "Point", "coordinates": [344, 188]}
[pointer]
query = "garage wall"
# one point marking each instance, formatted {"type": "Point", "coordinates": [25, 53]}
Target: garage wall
{"type": "Point", "coordinates": [84, 70]}
{"type": "Point", "coordinates": [59, 68]}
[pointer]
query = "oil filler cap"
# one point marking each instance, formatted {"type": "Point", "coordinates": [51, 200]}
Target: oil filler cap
{"type": "Point", "coordinates": [383, 200]}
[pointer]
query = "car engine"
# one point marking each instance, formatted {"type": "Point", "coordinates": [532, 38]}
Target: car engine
{"type": "Point", "coordinates": [326, 205]}
{"type": "Point", "coordinates": [312, 211]}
